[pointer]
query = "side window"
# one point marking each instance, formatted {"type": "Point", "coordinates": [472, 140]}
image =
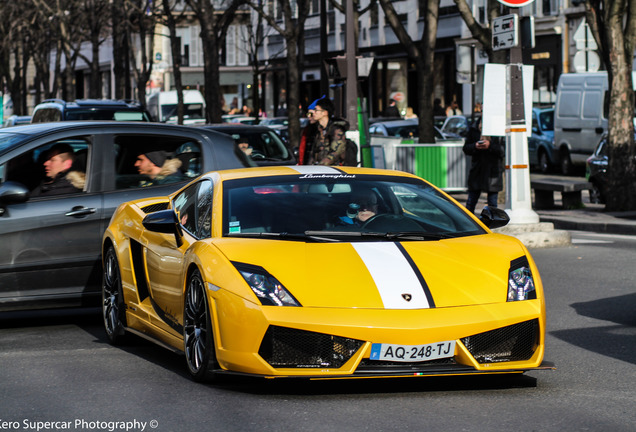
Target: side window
{"type": "Point", "coordinates": [56, 168]}
{"type": "Point", "coordinates": [47, 115]}
{"type": "Point", "coordinates": [150, 160]}
{"type": "Point", "coordinates": [194, 209]}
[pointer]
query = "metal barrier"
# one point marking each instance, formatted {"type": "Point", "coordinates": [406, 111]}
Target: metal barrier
{"type": "Point", "coordinates": [444, 163]}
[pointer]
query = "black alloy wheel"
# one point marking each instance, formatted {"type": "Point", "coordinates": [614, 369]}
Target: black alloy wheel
{"type": "Point", "coordinates": [197, 331]}
{"type": "Point", "coordinates": [113, 308]}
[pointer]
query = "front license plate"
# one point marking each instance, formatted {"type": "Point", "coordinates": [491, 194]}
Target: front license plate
{"type": "Point", "coordinates": [412, 353]}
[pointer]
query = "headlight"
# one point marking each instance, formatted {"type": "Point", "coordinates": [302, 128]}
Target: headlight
{"type": "Point", "coordinates": [266, 287]}
{"type": "Point", "coordinates": [520, 281]}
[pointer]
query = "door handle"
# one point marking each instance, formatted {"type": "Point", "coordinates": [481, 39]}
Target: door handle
{"type": "Point", "coordinates": [80, 211]}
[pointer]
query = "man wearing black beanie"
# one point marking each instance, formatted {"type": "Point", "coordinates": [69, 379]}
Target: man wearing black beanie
{"type": "Point", "coordinates": [157, 167]}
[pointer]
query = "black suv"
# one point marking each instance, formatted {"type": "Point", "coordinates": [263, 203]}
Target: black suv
{"type": "Point", "coordinates": [53, 110]}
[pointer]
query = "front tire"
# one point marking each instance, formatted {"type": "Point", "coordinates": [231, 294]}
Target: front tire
{"type": "Point", "coordinates": [566, 163]}
{"type": "Point", "coordinates": [113, 307]}
{"type": "Point", "coordinates": [544, 162]}
{"type": "Point", "coordinates": [197, 331]}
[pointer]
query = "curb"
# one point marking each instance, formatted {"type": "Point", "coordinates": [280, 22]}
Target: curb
{"type": "Point", "coordinates": [583, 225]}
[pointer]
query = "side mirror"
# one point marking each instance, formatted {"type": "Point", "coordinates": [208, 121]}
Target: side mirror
{"type": "Point", "coordinates": [164, 221]}
{"type": "Point", "coordinates": [494, 217]}
{"type": "Point", "coordinates": [12, 193]}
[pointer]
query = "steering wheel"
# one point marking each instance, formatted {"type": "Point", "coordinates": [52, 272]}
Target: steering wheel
{"type": "Point", "coordinates": [378, 219]}
{"type": "Point", "coordinates": [257, 155]}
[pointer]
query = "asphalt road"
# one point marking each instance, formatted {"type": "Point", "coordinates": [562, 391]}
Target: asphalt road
{"type": "Point", "coordinates": [56, 367]}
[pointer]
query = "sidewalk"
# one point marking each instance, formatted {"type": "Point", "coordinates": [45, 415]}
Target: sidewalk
{"type": "Point", "coordinates": [592, 217]}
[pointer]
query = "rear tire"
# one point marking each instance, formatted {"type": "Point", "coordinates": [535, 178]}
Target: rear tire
{"type": "Point", "coordinates": [566, 163]}
{"type": "Point", "coordinates": [198, 339]}
{"type": "Point", "coordinates": [113, 306]}
{"type": "Point", "coordinates": [544, 162]}
{"type": "Point", "coordinates": [596, 195]}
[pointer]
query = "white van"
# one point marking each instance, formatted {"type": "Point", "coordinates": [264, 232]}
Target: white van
{"type": "Point", "coordinates": [162, 106]}
{"type": "Point", "coordinates": [580, 117]}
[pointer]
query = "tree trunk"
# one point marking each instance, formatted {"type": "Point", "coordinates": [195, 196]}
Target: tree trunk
{"type": "Point", "coordinates": [622, 165]}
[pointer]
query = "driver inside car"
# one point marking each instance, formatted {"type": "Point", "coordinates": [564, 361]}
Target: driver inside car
{"type": "Point", "coordinates": [363, 208]}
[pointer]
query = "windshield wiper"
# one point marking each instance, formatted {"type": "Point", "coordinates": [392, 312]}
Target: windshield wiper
{"type": "Point", "coordinates": [316, 236]}
{"type": "Point", "coordinates": [405, 235]}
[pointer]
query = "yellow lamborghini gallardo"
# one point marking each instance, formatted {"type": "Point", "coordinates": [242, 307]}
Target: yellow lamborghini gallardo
{"type": "Point", "coordinates": [322, 272]}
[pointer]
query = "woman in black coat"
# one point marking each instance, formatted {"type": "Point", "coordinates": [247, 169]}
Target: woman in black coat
{"type": "Point", "coordinates": [486, 166]}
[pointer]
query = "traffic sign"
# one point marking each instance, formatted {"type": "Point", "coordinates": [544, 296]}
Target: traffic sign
{"type": "Point", "coordinates": [584, 38]}
{"type": "Point", "coordinates": [516, 3]}
{"type": "Point", "coordinates": [505, 32]}
{"type": "Point", "coordinates": [587, 61]}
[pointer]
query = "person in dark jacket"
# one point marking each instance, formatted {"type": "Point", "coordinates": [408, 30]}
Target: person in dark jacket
{"type": "Point", "coordinates": [486, 166]}
{"type": "Point", "coordinates": [60, 178]}
{"type": "Point", "coordinates": [158, 168]}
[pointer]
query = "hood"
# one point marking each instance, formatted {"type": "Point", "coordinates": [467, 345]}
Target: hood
{"type": "Point", "coordinates": [385, 275]}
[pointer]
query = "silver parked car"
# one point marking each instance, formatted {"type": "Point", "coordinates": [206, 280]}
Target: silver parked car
{"type": "Point", "coordinates": [50, 254]}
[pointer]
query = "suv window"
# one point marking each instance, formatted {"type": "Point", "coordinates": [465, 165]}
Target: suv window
{"type": "Point", "coordinates": [45, 115]}
{"type": "Point", "coordinates": [180, 160]}
{"type": "Point", "coordinates": [28, 168]}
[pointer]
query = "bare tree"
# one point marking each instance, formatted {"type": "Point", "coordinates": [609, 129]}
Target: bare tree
{"type": "Point", "coordinates": [294, 14]}
{"type": "Point", "coordinates": [95, 15]}
{"type": "Point", "coordinates": [613, 24]}
{"type": "Point", "coordinates": [214, 25]}
{"type": "Point", "coordinates": [121, 71]}
{"type": "Point", "coordinates": [483, 34]}
{"type": "Point", "coordinates": [254, 36]}
{"type": "Point", "coordinates": [422, 53]}
{"type": "Point", "coordinates": [143, 20]}
{"type": "Point", "coordinates": [14, 24]}
{"type": "Point", "coordinates": [170, 22]}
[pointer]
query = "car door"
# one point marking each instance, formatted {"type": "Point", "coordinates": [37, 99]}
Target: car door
{"type": "Point", "coordinates": [165, 260]}
{"type": "Point", "coordinates": [50, 244]}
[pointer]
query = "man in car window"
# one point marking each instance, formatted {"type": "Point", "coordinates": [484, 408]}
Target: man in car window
{"type": "Point", "coordinates": [60, 179]}
{"type": "Point", "coordinates": [158, 168]}
{"type": "Point", "coordinates": [363, 208]}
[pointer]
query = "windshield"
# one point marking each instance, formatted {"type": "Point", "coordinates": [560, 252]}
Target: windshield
{"type": "Point", "coordinates": [106, 114]}
{"type": "Point", "coordinates": [546, 118]}
{"type": "Point", "coordinates": [8, 139]}
{"type": "Point", "coordinates": [341, 207]}
{"type": "Point", "coordinates": [192, 111]}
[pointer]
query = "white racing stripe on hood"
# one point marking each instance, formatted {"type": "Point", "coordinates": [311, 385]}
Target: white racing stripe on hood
{"type": "Point", "coordinates": [393, 275]}
{"type": "Point", "coordinates": [315, 169]}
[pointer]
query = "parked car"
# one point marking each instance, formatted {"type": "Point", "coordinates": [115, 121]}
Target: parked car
{"type": "Point", "coordinates": [16, 120]}
{"type": "Point", "coordinates": [457, 126]}
{"type": "Point", "coordinates": [267, 147]}
{"type": "Point", "coordinates": [322, 272]}
{"type": "Point", "coordinates": [269, 121]}
{"type": "Point", "coordinates": [541, 141]}
{"type": "Point", "coordinates": [239, 118]}
{"type": "Point", "coordinates": [54, 110]}
{"type": "Point", "coordinates": [596, 171]}
{"type": "Point", "coordinates": [50, 253]}
{"type": "Point", "coordinates": [581, 117]}
{"type": "Point", "coordinates": [401, 129]}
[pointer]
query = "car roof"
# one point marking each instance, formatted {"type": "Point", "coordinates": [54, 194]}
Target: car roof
{"type": "Point", "coordinates": [236, 127]}
{"type": "Point", "coordinates": [35, 130]}
{"type": "Point", "coordinates": [84, 103]}
{"type": "Point", "coordinates": [309, 171]}
{"type": "Point", "coordinates": [390, 123]}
